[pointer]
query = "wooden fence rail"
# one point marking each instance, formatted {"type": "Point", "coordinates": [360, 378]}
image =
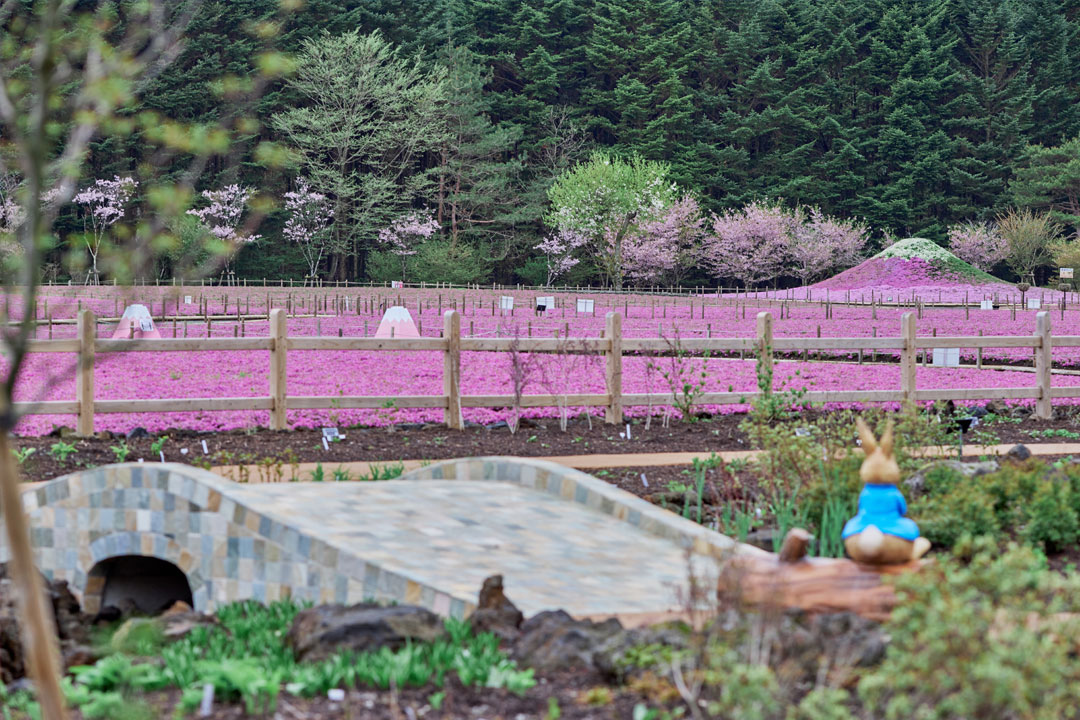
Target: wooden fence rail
{"type": "Point", "coordinates": [612, 346]}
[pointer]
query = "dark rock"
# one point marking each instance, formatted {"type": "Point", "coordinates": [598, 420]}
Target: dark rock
{"type": "Point", "coordinates": [409, 426]}
{"type": "Point", "coordinates": [75, 655]}
{"type": "Point", "coordinates": [495, 613]}
{"type": "Point", "coordinates": [528, 423]}
{"type": "Point", "coordinates": [977, 412]}
{"type": "Point", "coordinates": [998, 407]}
{"type": "Point", "coordinates": [108, 614]}
{"type": "Point", "coordinates": [805, 643]}
{"type": "Point", "coordinates": [71, 623]}
{"type": "Point", "coordinates": [613, 660]}
{"type": "Point", "coordinates": [916, 484]}
{"type": "Point", "coordinates": [319, 632]}
{"type": "Point", "coordinates": [498, 425]}
{"type": "Point", "coordinates": [61, 431]}
{"type": "Point", "coordinates": [180, 619]}
{"type": "Point", "coordinates": [138, 432]}
{"type": "Point", "coordinates": [472, 424]}
{"type": "Point", "coordinates": [104, 435]}
{"type": "Point", "coordinates": [555, 641]}
{"type": "Point", "coordinates": [1018, 453]}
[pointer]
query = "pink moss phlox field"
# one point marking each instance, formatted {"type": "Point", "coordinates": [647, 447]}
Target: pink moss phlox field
{"type": "Point", "coordinates": [395, 373]}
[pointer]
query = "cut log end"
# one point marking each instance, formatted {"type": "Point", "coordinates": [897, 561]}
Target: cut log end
{"type": "Point", "coordinates": [795, 545]}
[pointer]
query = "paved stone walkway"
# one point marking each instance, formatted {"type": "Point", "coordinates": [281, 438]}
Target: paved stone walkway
{"type": "Point", "coordinates": [451, 534]}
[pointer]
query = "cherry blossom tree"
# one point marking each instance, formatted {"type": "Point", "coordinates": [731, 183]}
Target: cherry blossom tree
{"type": "Point", "coordinates": [666, 248]}
{"type": "Point", "coordinates": [558, 249]}
{"type": "Point", "coordinates": [978, 243]}
{"type": "Point", "coordinates": [751, 244]}
{"type": "Point", "coordinates": [607, 200]}
{"type": "Point", "coordinates": [104, 203]}
{"type": "Point", "coordinates": [222, 218]}
{"type": "Point", "coordinates": [821, 244]}
{"type": "Point", "coordinates": [405, 235]}
{"type": "Point", "coordinates": [309, 213]}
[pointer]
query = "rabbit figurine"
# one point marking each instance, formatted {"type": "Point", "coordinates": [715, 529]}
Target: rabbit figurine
{"type": "Point", "coordinates": [880, 534]}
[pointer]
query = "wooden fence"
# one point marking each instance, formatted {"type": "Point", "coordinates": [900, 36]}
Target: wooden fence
{"type": "Point", "coordinates": [612, 346]}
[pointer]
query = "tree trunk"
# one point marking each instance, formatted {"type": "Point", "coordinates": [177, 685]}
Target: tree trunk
{"type": "Point", "coordinates": [39, 629]}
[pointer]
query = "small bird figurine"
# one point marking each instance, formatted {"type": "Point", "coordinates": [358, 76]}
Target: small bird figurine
{"type": "Point", "coordinates": [880, 534]}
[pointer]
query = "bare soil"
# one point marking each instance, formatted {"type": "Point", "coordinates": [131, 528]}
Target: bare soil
{"type": "Point", "coordinates": [436, 442]}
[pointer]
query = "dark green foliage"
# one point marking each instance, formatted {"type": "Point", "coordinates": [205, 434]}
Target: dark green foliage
{"type": "Point", "coordinates": [1037, 504]}
{"type": "Point", "coordinates": [912, 114]}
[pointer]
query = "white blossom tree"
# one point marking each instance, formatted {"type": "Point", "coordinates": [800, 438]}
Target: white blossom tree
{"type": "Point", "coordinates": [558, 249]}
{"type": "Point", "coordinates": [307, 226]}
{"type": "Point", "coordinates": [404, 236]}
{"type": "Point", "coordinates": [103, 203]}
{"type": "Point", "coordinates": [222, 218]}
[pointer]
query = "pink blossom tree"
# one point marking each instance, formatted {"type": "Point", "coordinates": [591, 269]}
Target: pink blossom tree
{"type": "Point", "coordinates": [750, 245]}
{"type": "Point", "coordinates": [822, 244]}
{"type": "Point", "coordinates": [222, 218]}
{"type": "Point", "coordinates": [980, 244]}
{"type": "Point", "coordinates": [307, 226]}
{"type": "Point", "coordinates": [666, 248]}
{"type": "Point", "coordinates": [558, 249]}
{"type": "Point", "coordinates": [405, 235]}
{"type": "Point", "coordinates": [103, 204]}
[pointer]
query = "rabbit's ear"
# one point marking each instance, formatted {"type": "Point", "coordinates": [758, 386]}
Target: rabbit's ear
{"type": "Point", "coordinates": [887, 439]}
{"type": "Point", "coordinates": [869, 442]}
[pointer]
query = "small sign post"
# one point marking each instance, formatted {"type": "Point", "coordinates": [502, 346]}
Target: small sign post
{"type": "Point", "coordinates": [506, 302]}
{"type": "Point", "coordinates": [585, 306]}
{"type": "Point", "coordinates": [1066, 273]}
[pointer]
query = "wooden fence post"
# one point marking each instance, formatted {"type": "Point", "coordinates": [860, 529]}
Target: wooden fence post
{"type": "Point", "coordinates": [613, 368]}
{"type": "Point", "coordinates": [84, 380]}
{"type": "Point", "coordinates": [1043, 360]}
{"type": "Point", "coordinates": [764, 347]}
{"type": "Point", "coordinates": [908, 357]}
{"type": "Point", "coordinates": [278, 355]}
{"type": "Point", "coordinates": [452, 370]}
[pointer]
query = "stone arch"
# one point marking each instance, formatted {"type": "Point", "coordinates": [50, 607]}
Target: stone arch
{"type": "Point", "coordinates": [139, 545]}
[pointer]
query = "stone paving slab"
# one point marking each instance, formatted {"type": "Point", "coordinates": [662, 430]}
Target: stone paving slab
{"type": "Point", "coordinates": [451, 534]}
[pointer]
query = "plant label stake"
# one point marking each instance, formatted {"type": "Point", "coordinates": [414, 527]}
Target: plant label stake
{"type": "Point", "coordinates": [326, 445]}
{"type": "Point", "coordinates": [207, 704]}
{"type": "Point", "coordinates": [627, 431]}
{"type": "Point", "coordinates": [644, 481]}
{"type": "Point", "coordinates": [204, 450]}
{"type": "Point", "coordinates": [162, 454]}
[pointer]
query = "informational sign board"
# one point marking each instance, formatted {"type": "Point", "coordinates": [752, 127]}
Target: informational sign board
{"type": "Point", "coordinates": [331, 433]}
{"type": "Point", "coordinates": [986, 304]}
{"type": "Point", "coordinates": [545, 303]}
{"type": "Point", "coordinates": [187, 299]}
{"type": "Point", "coordinates": [1034, 303]}
{"type": "Point", "coordinates": [585, 306]}
{"type": "Point", "coordinates": [946, 357]}
{"type": "Point", "coordinates": [1066, 273]}
{"type": "Point", "coordinates": [396, 284]}
{"type": "Point", "coordinates": [506, 302]}
{"type": "Point", "coordinates": [146, 325]}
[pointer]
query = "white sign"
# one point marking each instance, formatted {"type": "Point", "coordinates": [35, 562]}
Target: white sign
{"type": "Point", "coordinates": [396, 283]}
{"type": "Point", "coordinates": [331, 433]}
{"type": "Point", "coordinates": [545, 303]}
{"type": "Point", "coordinates": [1066, 273]}
{"type": "Point", "coordinates": [986, 304]}
{"type": "Point", "coordinates": [146, 325]}
{"type": "Point", "coordinates": [585, 306]}
{"type": "Point", "coordinates": [187, 299]}
{"type": "Point", "coordinates": [506, 302]}
{"type": "Point", "coordinates": [1034, 303]}
{"type": "Point", "coordinates": [947, 357]}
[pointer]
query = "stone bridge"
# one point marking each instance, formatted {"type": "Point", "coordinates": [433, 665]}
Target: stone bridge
{"type": "Point", "coordinates": [153, 533]}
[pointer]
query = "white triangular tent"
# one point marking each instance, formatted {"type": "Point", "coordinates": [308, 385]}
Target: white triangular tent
{"type": "Point", "coordinates": [397, 323]}
{"type": "Point", "coordinates": [136, 322]}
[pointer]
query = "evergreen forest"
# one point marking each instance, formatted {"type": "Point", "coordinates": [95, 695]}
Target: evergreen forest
{"type": "Point", "coordinates": [908, 115]}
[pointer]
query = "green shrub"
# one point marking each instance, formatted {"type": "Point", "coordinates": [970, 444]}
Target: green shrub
{"type": "Point", "coordinates": [967, 510]}
{"type": "Point", "coordinates": [1052, 521]}
{"type": "Point", "coordinates": [980, 639]}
